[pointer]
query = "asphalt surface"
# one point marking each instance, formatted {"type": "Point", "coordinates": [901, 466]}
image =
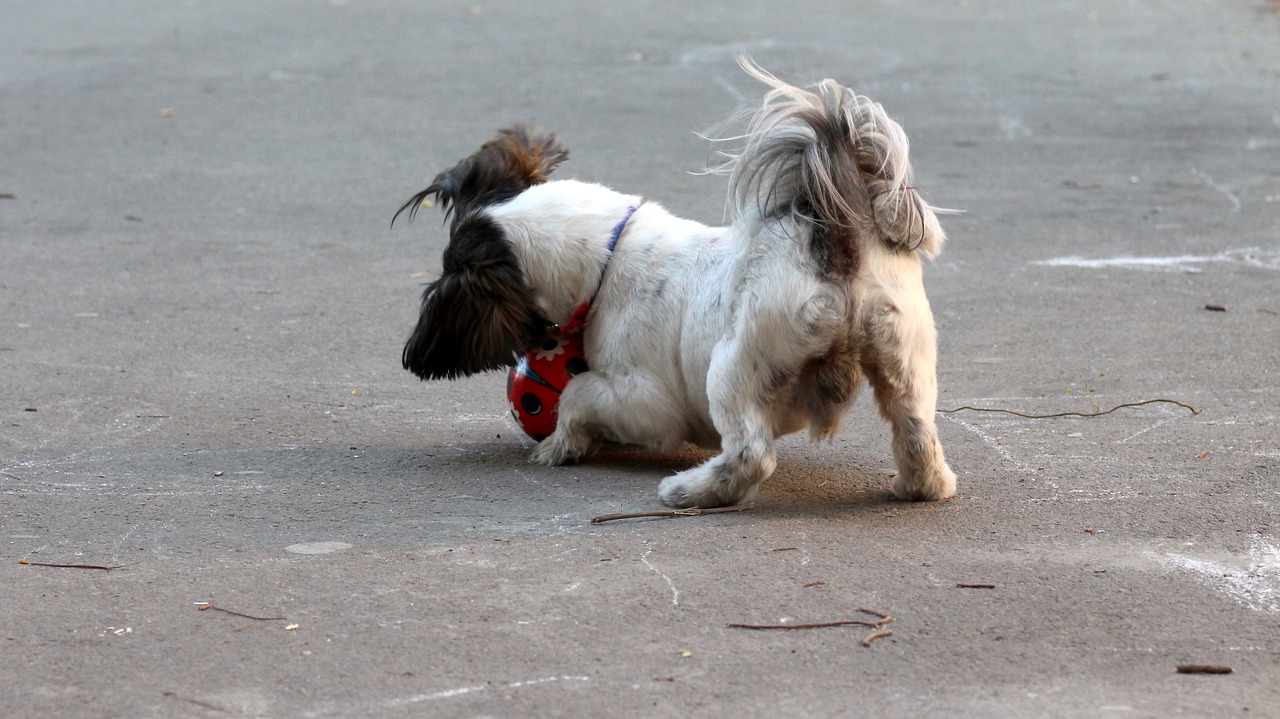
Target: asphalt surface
{"type": "Point", "coordinates": [202, 309]}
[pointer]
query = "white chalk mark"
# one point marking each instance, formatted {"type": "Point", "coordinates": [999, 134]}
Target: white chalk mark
{"type": "Point", "coordinates": [737, 95]}
{"type": "Point", "coordinates": [1013, 127]}
{"type": "Point", "coordinates": [317, 547]}
{"type": "Point", "coordinates": [1159, 424]}
{"type": "Point", "coordinates": [1251, 256]}
{"type": "Point", "coordinates": [446, 694]}
{"type": "Point", "coordinates": [556, 522]}
{"type": "Point", "coordinates": [993, 444]}
{"type": "Point", "coordinates": [1235, 201]}
{"type": "Point", "coordinates": [461, 691]}
{"type": "Point", "coordinates": [675, 593]}
{"type": "Point", "coordinates": [1139, 433]}
{"type": "Point", "coordinates": [545, 680]}
{"type": "Point", "coordinates": [1256, 587]}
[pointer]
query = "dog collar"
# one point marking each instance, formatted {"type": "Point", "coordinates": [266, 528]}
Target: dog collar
{"type": "Point", "coordinates": [534, 385]}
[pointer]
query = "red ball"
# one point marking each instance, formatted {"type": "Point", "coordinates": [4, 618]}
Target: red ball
{"type": "Point", "coordinates": [534, 385]}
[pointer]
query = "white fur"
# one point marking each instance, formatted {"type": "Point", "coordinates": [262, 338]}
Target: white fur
{"type": "Point", "coordinates": [679, 367]}
{"type": "Point", "coordinates": [714, 335]}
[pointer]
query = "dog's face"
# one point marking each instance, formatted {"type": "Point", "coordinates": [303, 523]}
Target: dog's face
{"type": "Point", "coordinates": [481, 312]}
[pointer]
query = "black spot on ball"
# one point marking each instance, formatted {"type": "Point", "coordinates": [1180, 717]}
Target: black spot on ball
{"type": "Point", "coordinates": [549, 345]}
{"type": "Point", "coordinates": [531, 404]}
{"type": "Point", "coordinates": [576, 366]}
{"type": "Point", "coordinates": [538, 437]}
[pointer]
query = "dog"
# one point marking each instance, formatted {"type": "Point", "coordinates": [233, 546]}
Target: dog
{"type": "Point", "coordinates": [724, 337]}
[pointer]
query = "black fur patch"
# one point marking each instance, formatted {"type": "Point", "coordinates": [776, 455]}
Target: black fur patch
{"type": "Point", "coordinates": [835, 249]}
{"type": "Point", "coordinates": [480, 314]}
{"type": "Point", "coordinates": [517, 159]}
{"type": "Point", "coordinates": [834, 379]}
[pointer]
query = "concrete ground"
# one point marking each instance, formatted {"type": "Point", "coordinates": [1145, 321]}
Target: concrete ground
{"type": "Point", "coordinates": [202, 309]}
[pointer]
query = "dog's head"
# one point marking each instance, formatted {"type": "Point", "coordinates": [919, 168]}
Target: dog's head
{"type": "Point", "coordinates": [481, 312]}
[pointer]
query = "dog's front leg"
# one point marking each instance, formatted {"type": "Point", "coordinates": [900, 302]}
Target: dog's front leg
{"type": "Point", "coordinates": [736, 390]}
{"type": "Point", "coordinates": [597, 406]}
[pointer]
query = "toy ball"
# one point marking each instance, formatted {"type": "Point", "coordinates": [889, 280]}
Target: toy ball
{"type": "Point", "coordinates": [534, 385]}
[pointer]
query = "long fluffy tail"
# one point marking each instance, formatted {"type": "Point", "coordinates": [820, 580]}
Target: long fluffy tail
{"type": "Point", "coordinates": [834, 158]}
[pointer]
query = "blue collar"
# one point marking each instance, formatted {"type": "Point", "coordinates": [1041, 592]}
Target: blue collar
{"type": "Point", "coordinates": [618, 229]}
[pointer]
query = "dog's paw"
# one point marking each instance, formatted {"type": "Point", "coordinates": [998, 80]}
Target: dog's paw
{"type": "Point", "coordinates": [698, 487]}
{"type": "Point", "coordinates": [556, 450]}
{"type": "Point", "coordinates": [674, 492]}
{"type": "Point", "coordinates": [926, 485]}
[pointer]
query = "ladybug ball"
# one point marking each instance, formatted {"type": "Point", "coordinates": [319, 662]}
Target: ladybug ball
{"type": "Point", "coordinates": [535, 383]}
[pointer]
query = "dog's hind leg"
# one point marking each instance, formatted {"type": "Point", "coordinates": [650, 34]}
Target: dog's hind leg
{"type": "Point", "coordinates": [738, 401]}
{"type": "Point", "coordinates": [900, 365]}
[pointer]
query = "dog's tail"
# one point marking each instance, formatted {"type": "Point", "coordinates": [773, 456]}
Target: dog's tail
{"type": "Point", "coordinates": [830, 157]}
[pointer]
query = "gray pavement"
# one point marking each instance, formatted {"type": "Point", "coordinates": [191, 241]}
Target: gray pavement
{"type": "Point", "coordinates": [202, 308]}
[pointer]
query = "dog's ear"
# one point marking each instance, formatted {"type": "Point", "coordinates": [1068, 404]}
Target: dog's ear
{"type": "Point", "coordinates": [518, 158]}
{"type": "Point", "coordinates": [480, 314]}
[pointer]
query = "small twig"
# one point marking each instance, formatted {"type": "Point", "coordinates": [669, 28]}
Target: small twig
{"type": "Point", "coordinates": [72, 566]}
{"type": "Point", "coordinates": [1095, 413]}
{"type": "Point", "coordinates": [10, 476]}
{"type": "Point", "coordinates": [883, 620]}
{"type": "Point", "coordinates": [1203, 669]}
{"type": "Point", "coordinates": [1092, 401]}
{"type": "Point", "coordinates": [197, 702]}
{"type": "Point", "coordinates": [785, 549]}
{"type": "Point", "coordinates": [975, 586]}
{"type": "Point", "coordinates": [205, 606]}
{"type": "Point", "coordinates": [822, 625]}
{"type": "Point", "coordinates": [818, 583]}
{"type": "Point", "coordinates": [874, 636]}
{"type": "Point", "coordinates": [690, 512]}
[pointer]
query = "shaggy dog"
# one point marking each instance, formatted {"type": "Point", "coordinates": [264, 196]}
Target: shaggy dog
{"type": "Point", "coordinates": [726, 337]}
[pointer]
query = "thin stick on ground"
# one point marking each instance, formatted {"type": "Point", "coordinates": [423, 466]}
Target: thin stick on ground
{"type": "Point", "coordinates": [206, 606]}
{"type": "Point", "coordinates": [691, 512]}
{"type": "Point", "coordinates": [866, 642]}
{"type": "Point", "coordinates": [821, 625]}
{"type": "Point", "coordinates": [1095, 413]}
{"type": "Point", "coordinates": [103, 567]}
{"type": "Point", "coordinates": [1203, 669]}
{"type": "Point", "coordinates": [880, 622]}
{"type": "Point", "coordinates": [197, 702]}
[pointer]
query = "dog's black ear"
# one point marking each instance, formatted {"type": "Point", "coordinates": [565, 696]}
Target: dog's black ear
{"type": "Point", "coordinates": [518, 158]}
{"type": "Point", "coordinates": [480, 314]}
